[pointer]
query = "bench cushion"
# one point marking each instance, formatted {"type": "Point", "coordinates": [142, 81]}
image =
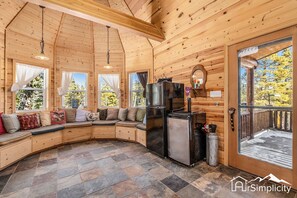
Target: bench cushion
{"type": "Point", "coordinates": [47, 129]}
{"type": "Point", "coordinates": [77, 124]}
{"type": "Point", "coordinates": [141, 126]}
{"type": "Point", "coordinates": [128, 123]}
{"type": "Point", "coordinates": [105, 122]}
{"type": "Point", "coordinates": [13, 137]}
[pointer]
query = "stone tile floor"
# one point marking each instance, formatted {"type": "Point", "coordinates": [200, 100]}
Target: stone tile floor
{"type": "Point", "coordinates": [116, 169]}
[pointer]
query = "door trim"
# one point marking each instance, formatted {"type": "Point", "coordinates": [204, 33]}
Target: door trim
{"type": "Point", "coordinates": [246, 163]}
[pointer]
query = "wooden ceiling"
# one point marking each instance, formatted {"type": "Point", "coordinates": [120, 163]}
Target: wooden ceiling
{"type": "Point", "coordinates": [64, 30]}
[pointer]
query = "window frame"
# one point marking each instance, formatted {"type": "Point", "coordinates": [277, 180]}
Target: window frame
{"type": "Point", "coordinates": [137, 91]}
{"type": "Point", "coordinates": [100, 92]}
{"type": "Point", "coordinates": [45, 89]}
{"type": "Point", "coordinates": [87, 81]}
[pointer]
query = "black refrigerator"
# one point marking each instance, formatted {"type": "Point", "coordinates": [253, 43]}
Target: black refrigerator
{"type": "Point", "coordinates": [162, 98]}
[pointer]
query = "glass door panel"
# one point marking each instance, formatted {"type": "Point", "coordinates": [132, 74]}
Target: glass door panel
{"type": "Point", "coordinates": [265, 102]}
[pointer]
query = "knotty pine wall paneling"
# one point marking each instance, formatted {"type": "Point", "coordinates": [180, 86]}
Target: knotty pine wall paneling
{"type": "Point", "coordinates": [197, 32]}
{"type": "Point", "coordinates": [74, 53]}
{"type": "Point", "coordinates": [138, 50]}
{"type": "Point", "coordinates": [9, 9]}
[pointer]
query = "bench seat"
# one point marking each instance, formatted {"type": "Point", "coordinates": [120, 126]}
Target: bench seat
{"type": "Point", "coordinates": [127, 123]}
{"type": "Point", "coordinates": [13, 137]}
{"type": "Point", "coordinates": [105, 122]}
{"type": "Point", "coordinates": [141, 126]}
{"type": "Point", "coordinates": [46, 129]}
{"type": "Point", "coordinates": [77, 124]}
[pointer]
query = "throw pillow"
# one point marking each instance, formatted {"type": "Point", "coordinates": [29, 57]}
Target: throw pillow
{"type": "Point", "coordinates": [132, 114]}
{"type": "Point", "coordinates": [112, 114]}
{"type": "Point", "coordinates": [93, 116]}
{"type": "Point", "coordinates": [58, 117]}
{"type": "Point", "coordinates": [38, 119]}
{"type": "Point", "coordinates": [123, 114]}
{"type": "Point", "coordinates": [103, 113]}
{"type": "Point", "coordinates": [81, 115]}
{"type": "Point", "coordinates": [70, 115]}
{"type": "Point", "coordinates": [144, 119]}
{"type": "Point", "coordinates": [45, 118]}
{"type": "Point", "coordinates": [2, 128]}
{"type": "Point", "coordinates": [140, 115]}
{"type": "Point", "coordinates": [11, 122]}
{"type": "Point", "coordinates": [28, 121]}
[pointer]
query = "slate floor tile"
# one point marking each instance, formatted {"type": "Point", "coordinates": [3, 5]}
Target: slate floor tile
{"type": "Point", "coordinates": [27, 164]}
{"type": "Point", "coordinates": [190, 192]}
{"type": "Point", "coordinates": [91, 174]}
{"type": "Point", "coordinates": [97, 184]}
{"type": "Point", "coordinates": [188, 175]}
{"type": "Point", "coordinates": [67, 182]}
{"type": "Point", "coordinates": [46, 169]}
{"type": "Point", "coordinates": [159, 190]}
{"type": "Point", "coordinates": [160, 172]}
{"type": "Point", "coordinates": [9, 170]}
{"type": "Point", "coordinates": [117, 169]}
{"type": "Point", "coordinates": [206, 186]}
{"type": "Point", "coordinates": [47, 177]}
{"type": "Point", "coordinates": [145, 180]}
{"type": "Point", "coordinates": [120, 157]}
{"type": "Point", "coordinates": [47, 162]}
{"type": "Point", "coordinates": [24, 193]}
{"type": "Point", "coordinates": [134, 170]}
{"type": "Point", "coordinates": [75, 191]}
{"type": "Point", "coordinates": [67, 172]}
{"type": "Point", "coordinates": [3, 181]}
{"type": "Point", "coordinates": [19, 181]}
{"type": "Point", "coordinates": [43, 189]}
{"type": "Point", "coordinates": [105, 192]}
{"type": "Point", "coordinates": [174, 183]}
{"type": "Point", "coordinates": [147, 166]}
{"type": "Point", "coordinates": [218, 178]}
{"type": "Point", "coordinates": [116, 177]}
{"type": "Point", "coordinates": [50, 154]}
{"type": "Point", "coordinates": [125, 188]}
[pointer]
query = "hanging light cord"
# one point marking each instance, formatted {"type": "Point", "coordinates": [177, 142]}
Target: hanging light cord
{"type": "Point", "coordinates": [42, 25]}
{"type": "Point", "coordinates": [108, 51]}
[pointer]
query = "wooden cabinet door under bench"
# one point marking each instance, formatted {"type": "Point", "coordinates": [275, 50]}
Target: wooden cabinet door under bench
{"type": "Point", "coordinates": [14, 151]}
{"type": "Point", "coordinates": [47, 140]}
{"type": "Point", "coordinates": [77, 134]}
{"type": "Point", "coordinates": [104, 132]}
{"type": "Point", "coordinates": [126, 133]}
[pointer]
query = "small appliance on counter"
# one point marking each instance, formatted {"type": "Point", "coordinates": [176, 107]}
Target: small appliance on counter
{"type": "Point", "coordinates": [185, 142]}
{"type": "Point", "coordinates": [162, 98]}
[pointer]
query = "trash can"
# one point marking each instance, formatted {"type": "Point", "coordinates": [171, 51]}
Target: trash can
{"type": "Point", "coordinates": [212, 146]}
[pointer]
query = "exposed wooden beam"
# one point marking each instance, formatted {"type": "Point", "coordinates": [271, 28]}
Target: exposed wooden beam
{"type": "Point", "coordinates": [98, 13]}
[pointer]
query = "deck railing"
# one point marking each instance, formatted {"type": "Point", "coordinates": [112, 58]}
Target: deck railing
{"type": "Point", "coordinates": [280, 119]}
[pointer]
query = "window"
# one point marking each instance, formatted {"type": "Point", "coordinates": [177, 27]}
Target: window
{"type": "Point", "coordinates": [109, 90]}
{"type": "Point", "coordinates": [76, 96]}
{"type": "Point", "coordinates": [33, 95]}
{"type": "Point", "coordinates": [137, 88]}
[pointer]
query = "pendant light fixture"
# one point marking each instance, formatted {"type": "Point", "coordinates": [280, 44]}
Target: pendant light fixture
{"type": "Point", "coordinates": [108, 66]}
{"type": "Point", "coordinates": [42, 56]}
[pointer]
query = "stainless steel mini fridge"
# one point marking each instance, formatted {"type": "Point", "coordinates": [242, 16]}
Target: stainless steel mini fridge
{"type": "Point", "coordinates": [183, 146]}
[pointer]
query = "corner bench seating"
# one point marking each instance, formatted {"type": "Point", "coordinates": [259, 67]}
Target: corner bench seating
{"type": "Point", "coordinates": [15, 146]}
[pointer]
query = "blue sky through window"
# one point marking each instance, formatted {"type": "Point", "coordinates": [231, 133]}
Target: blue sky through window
{"type": "Point", "coordinates": [80, 79]}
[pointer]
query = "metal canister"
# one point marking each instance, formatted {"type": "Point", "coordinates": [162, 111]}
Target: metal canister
{"type": "Point", "coordinates": [212, 147]}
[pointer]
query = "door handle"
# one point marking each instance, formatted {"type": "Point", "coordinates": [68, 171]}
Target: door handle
{"type": "Point", "coordinates": [232, 112]}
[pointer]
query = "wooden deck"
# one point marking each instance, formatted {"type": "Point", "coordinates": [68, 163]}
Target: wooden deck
{"type": "Point", "coordinates": [270, 145]}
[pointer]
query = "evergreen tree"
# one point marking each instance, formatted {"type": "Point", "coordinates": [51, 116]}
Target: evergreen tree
{"type": "Point", "coordinates": [273, 79]}
{"type": "Point", "coordinates": [28, 99]}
